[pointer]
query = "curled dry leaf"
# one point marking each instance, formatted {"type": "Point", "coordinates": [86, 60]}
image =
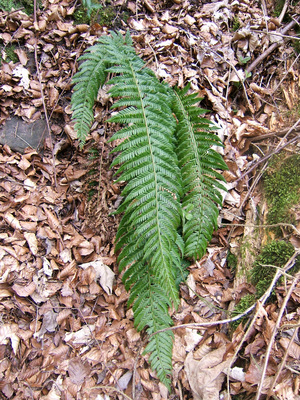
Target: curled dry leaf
{"type": "Point", "coordinates": [9, 332]}
{"type": "Point", "coordinates": [32, 242]}
{"type": "Point", "coordinates": [207, 375]}
{"type": "Point", "coordinates": [103, 273]}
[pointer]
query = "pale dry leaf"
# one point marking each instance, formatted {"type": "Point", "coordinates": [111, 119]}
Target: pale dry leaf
{"type": "Point", "coordinates": [32, 242]}
{"type": "Point", "coordinates": [207, 375]}
{"type": "Point", "coordinates": [237, 374]}
{"type": "Point", "coordinates": [9, 332]}
{"type": "Point", "coordinates": [22, 56]}
{"type": "Point", "coordinates": [192, 338]}
{"type": "Point", "coordinates": [47, 269]}
{"type": "Point", "coordinates": [103, 273]}
{"type": "Point", "coordinates": [191, 284]}
{"type": "Point", "coordinates": [294, 348]}
{"type": "Point", "coordinates": [12, 221]}
{"type": "Point", "coordinates": [54, 394]}
{"type": "Point", "coordinates": [23, 73]}
{"type": "Point", "coordinates": [28, 183]}
{"type": "Point", "coordinates": [53, 221]}
{"type": "Point", "coordinates": [24, 290]}
{"type": "Point", "coordinates": [83, 336]}
{"type": "Point", "coordinates": [78, 370]}
{"type": "Point", "coordinates": [123, 382]}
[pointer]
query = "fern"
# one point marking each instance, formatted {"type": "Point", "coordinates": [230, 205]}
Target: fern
{"type": "Point", "coordinates": [198, 163]}
{"type": "Point", "coordinates": [170, 169]}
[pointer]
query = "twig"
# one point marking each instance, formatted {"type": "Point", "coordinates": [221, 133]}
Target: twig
{"type": "Point", "coordinates": [273, 46]}
{"type": "Point", "coordinates": [283, 11]}
{"type": "Point", "coordinates": [272, 134]}
{"type": "Point", "coordinates": [261, 300]}
{"type": "Point", "coordinates": [43, 97]}
{"type": "Point", "coordinates": [284, 76]}
{"type": "Point", "coordinates": [260, 303]}
{"type": "Point", "coordinates": [267, 354]}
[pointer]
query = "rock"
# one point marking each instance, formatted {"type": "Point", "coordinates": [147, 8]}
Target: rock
{"type": "Point", "coordinates": [18, 134]}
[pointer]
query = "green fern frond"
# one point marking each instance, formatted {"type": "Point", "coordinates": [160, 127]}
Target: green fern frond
{"type": "Point", "coordinates": [162, 184]}
{"type": "Point", "coordinates": [151, 207]}
{"type": "Point", "coordinates": [199, 164]}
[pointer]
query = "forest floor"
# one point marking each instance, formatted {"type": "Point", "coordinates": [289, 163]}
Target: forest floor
{"type": "Point", "coordinates": [65, 329]}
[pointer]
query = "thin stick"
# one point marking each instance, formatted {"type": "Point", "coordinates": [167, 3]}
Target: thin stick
{"type": "Point", "coordinates": [283, 11]}
{"type": "Point", "coordinates": [266, 226]}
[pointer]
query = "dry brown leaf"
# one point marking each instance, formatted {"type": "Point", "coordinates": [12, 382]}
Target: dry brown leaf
{"type": "Point", "coordinates": [9, 331]}
{"type": "Point", "coordinates": [207, 375]}
{"type": "Point", "coordinates": [103, 273]}
{"type": "Point", "coordinates": [32, 242]}
{"type": "Point", "coordinates": [24, 290]}
{"type": "Point", "coordinates": [78, 371]}
{"type": "Point", "coordinates": [12, 221]}
{"type": "Point", "coordinates": [294, 348]}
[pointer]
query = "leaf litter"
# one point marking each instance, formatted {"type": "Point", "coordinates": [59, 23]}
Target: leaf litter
{"type": "Point", "coordinates": [65, 329]}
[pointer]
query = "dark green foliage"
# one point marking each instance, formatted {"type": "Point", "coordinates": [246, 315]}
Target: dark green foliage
{"type": "Point", "coordinates": [169, 167]}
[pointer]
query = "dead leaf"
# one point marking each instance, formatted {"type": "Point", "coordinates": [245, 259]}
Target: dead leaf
{"type": "Point", "coordinates": [78, 371]}
{"type": "Point", "coordinates": [103, 273]}
{"type": "Point", "coordinates": [207, 375]}
{"type": "Point", "coordinates": [294, 348]}
{"type": "Point", "coordinates": [9, 331]}
{"type": "Point", "coordinates": [24, 290]}
{"type": "Point", "coordinates": [32, 242]}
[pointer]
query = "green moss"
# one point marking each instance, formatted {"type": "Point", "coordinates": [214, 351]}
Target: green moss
{"type": "Point", "coordinates": [275, 253]}
{"type": "Point", "coordinates": [81, 16]}
{"type": "Point", "coordinates": [282, 189]}
{"type": "Point", "coordinates": [9, 51]}
{"type": "Point", "coordinates": [278, 7]}
{"type": "Point", "coordinates": [25, 5]}
{"type": "Point", "coordinates": [231, 261]}
{"type": "Point", "coordinates": [106, 16]}
{"type": "Point", "coordinates": [95, 13]}
{"type": "Point", "coordinates": [246, 301]}
{"type": "Point", "coordinates": [236, 24]}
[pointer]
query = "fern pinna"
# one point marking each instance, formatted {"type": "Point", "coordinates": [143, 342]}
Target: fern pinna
{"type": "Point", "coordinates": [169, 167]}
